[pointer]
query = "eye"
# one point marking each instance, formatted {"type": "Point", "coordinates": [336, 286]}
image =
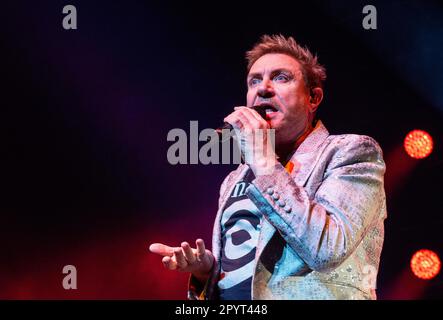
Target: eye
{"type": "Point", "coordinates": [254, 81]}
{"type": "Point", "coordinates": [281, 77]}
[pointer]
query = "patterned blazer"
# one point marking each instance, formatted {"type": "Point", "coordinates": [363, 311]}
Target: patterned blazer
{"type": "Point", "coordinates": [322, 230]}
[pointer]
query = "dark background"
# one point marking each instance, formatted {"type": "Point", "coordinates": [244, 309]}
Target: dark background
{"type": "Point", "coordinates": [85, 114]}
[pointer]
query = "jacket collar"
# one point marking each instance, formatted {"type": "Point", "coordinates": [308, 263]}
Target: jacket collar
{"type": "Point", "coordinates": [305, 157]}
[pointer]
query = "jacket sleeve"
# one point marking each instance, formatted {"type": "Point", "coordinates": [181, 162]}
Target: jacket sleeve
{"type": "Point", "coordinates": [326, 229]}
{"type": "Point", "coordinates": [198, 290]}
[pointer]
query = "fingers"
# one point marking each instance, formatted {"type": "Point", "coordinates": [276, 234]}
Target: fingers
{"type": "Point", "coordinates": [201, 250]}
{"type": "Point", "coordinates": [246, 119]}
{"type": "Point", "coordinates": [253, 115]}
{"type": "Point", "coordinates": [189, 253]}
{"type": "Point", "coordinates": [236, 119]}
{"type": "Point", "coordinates": [161, 249]}
{"type": "Point", "coordinates": [180, 258]}
{"type": "Point", "coordinates": [246, 115]}
{"type": "Point", "coordinates": [169, 263]}
{"type": "Point", "coordinates": [177, 261]}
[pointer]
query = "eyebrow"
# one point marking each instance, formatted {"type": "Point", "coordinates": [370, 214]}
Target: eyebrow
{"type": "Point", "coordinates": [273, 72]}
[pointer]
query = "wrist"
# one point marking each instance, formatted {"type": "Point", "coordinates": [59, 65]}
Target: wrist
{"type": "Point", "coordinates": [202, 274]}
{"type": "Point", "coordinates": [202, 278]}
{"type": "Point", "coordinates": [263, 166]}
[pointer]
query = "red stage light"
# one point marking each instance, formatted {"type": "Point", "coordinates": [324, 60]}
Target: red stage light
{"type": "Point", "coordinates": [418, 144]}
{"type": "Point", "coordinates": [425, 264]}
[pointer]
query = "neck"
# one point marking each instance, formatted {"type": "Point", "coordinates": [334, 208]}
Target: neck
{"type": "Point", "coordinates": [284, 151]}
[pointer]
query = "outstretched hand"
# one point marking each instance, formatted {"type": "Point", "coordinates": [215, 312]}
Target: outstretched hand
{"type": "Point", "coordinates": [198, 261]}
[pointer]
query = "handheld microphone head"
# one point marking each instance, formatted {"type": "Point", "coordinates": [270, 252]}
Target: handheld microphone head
{"type": "Point", "coordinates": [261, 110]}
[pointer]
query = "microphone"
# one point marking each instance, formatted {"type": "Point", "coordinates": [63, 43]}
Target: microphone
{"type": "Point", "coordinates": [261, 110]}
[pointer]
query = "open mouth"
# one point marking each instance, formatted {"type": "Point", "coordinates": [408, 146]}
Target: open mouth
{"type": "Point", "coordinates": [267, 108]}
{"type": "Point", "coordinates": [270, 110]}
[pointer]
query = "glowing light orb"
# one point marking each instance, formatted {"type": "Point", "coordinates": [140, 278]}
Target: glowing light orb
{"type": "Point", "coordinates": [425, 264]}
{"type": "Point", "coordinates": [418, 144]}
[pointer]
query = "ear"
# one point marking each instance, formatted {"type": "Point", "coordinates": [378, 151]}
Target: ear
{"type": "Point", "coordinates": [315, 99]}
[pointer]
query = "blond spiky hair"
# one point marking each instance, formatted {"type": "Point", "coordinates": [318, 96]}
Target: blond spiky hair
{"type": "Point", "coordinates": [314, 74]}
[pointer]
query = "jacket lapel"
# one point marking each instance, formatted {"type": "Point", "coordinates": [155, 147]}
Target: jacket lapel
{"type": "Point", "coordinates": [306, 156]}
{"type": "Point", "coordinates": [304, 160]}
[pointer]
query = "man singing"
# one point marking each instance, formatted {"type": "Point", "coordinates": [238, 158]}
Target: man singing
{"type": "Point", "coordinates": [312, 226]}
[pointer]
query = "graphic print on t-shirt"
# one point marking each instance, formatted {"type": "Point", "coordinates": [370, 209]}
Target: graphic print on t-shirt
{"type": "Point", "coordinates": [240, 225]}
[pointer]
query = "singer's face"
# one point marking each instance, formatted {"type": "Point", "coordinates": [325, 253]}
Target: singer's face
{"type": "Point", "coordinates": [277, 79]}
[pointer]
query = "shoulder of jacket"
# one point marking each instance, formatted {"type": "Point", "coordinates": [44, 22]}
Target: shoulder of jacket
{"type": "Point", "coordinates": [352, 145]}
{"type": "Point", "coordinates": [352, 139]}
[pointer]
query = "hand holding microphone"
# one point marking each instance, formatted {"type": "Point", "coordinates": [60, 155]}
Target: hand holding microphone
{"type": "Point", "coordinates": [261, 110]}
{"type": "Point", "coordinates": [255, 138]}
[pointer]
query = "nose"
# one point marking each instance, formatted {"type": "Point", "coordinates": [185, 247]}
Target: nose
{"type": "Point", "coordinates": [265, 90]}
